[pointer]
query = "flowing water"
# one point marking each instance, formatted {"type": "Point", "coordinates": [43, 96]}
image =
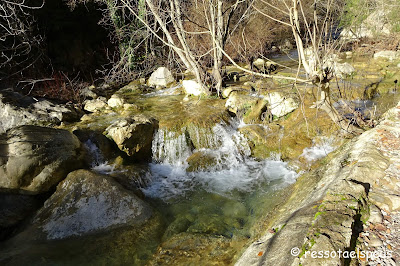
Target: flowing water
{"type": "Point", "coordinates": [202, 184]}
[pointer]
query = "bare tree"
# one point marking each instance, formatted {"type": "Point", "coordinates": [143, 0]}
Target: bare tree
{"type": "Point", "coordinates": [316, 42]}
{"type": "Point", "coordinates": [17, 37]}
{"type": "Point", "coordinates": [213, 20]}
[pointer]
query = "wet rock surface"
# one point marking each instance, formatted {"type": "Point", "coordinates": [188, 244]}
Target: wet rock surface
{"type": "Point", "coordinates": [17, 109]}
{"type": "Point", "coordinates": [87, 202]}
{"type": "Point", "coordinates": [133, 135]}
{"type": "Point", "coordinates": [332, 209]}
{"type": "Point", "coordinates": [34, 159]}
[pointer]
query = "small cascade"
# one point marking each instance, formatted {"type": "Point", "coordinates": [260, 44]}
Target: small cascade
{"type": "Point", "coordinates": [98, 163]}
{"type": "Point", "coordinates": [170, 147]}
{"type": "Point", "coordinates": [321, 147]}
{"type": "Point", "coordinates": [231, 168]}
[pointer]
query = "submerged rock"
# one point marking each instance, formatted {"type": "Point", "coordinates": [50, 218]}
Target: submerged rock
{"type": "Point", "coordinates": [17, 110]}
{"type": "Point", "coordinates": [86, 202]}
{"type": "Point", "coordinates": [133, 135]}
{"type": "Point", "coordinates": [200, 161]}
{"type": "Point", "coordinates": [162, 77]}
{"type": "Point", "coordinates": [34, 159]}
{"type": "Point", "coordinates": [201, 249]}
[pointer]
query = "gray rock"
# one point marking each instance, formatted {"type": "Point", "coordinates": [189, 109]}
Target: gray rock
{"type": "Point", "coordinates": [374, 241]}
{"type": "Point", "coordinates": [192, 87]}
{"type": "Point", "coordinates": [264, 66]}
{"type": "Point", "coordinates": [161, 77]}
{"type": "Point", "coordinates": [86, 202]}
{"type": "Point", "coordinates": [239, 103]}
{"type": "Point", "coordinates": [88, 93]}
{"type": "Point", "coordinates": [375, 23]}
{"type": "Point", "coordinates": [324, 245]}
{"type": "Point", "coordinates": [133, 135]}
{"type": "Point", "coordinates": [34, 159]}
{"type": "Point", "coordinates": [320, 212]}
{"type": "Point", "coordinates": [17, 110]}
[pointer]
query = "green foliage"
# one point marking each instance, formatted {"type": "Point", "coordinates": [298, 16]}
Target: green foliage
{"type": "Point", "coordinates": [355, 12]}
{"type": "Point", "coordinates": [393, 15]}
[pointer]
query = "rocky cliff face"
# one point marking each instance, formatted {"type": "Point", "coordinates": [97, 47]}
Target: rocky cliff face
{"type": "Point", "coordinates": [331, 206]}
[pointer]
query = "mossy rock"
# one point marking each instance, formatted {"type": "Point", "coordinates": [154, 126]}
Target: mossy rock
{"type": "Point", "coordinates": [255, 113]}
{"type": "Point", "coordinates": [197, 249]}
{"type": "Point", "coordinates": [259, 140]}
{"type": "Point", "coordinates": [200, 161]}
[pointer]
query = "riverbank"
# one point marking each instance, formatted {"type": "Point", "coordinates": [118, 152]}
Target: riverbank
{"type": "Point", "coordinates": [350, 204]}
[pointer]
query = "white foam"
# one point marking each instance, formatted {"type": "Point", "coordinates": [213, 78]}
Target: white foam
{"type": "Point", "coordinates": [234, 170]}
{"type": "Point", "coordinates": [98, 164]}
{"type": "Point", "coordinates": [319, 150]}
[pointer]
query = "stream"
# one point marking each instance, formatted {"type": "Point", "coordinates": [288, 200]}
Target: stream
{"type": "Point", "coordinates": [209, 195]}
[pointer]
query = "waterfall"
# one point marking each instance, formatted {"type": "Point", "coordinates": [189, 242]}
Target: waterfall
{"type": "Point", "coordinates": [98, 163]}
{"type": "Point", "coordinates": [169, 147]}
{"type": "Point", "coordinates": [232, 169]}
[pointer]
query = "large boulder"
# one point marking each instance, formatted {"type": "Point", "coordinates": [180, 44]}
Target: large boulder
{"type": "Point", "coordinates": [133, 135]}
{"type": "Point", "coordinates": [17, 110]}
{"type": "Point", "coordinates": [86, 202]}
{"type": "Point", "coordinates": [33, 159]}
{"type": "Point", "coordinates": [162, 77]}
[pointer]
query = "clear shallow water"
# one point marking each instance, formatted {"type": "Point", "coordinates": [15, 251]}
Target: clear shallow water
{"type": "Point", "coordinates": [225, 199]}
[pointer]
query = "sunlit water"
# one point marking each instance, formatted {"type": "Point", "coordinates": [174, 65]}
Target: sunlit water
{"type": "Point", "coordinates": [225, 199]}
{"type": "Point", "coordinates": [233, 170]}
